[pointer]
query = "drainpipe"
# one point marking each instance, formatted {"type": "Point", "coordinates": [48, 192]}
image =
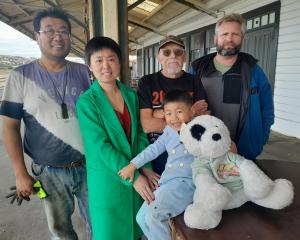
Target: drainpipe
{"type": "Point", "coordinates": [123, 41]}
{"type": "Point", "coordinates": [95, 18]}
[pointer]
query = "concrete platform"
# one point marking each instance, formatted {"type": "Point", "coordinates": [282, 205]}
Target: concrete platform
{"type": "Point", "coordinates": [281, 147]}
{"type": "Point", "coordinates": [28, 221]}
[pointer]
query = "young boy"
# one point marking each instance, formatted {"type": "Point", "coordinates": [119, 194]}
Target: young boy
{"type": "Point", "coordinates": [176, 188]}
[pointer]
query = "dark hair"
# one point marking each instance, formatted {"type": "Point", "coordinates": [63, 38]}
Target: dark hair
{"type": "Point", "coordinates": [178, 96]}
{"type": "Point", "coordinates": [52, 13]}
{"type": "Point", "coordinates": [99, 43]}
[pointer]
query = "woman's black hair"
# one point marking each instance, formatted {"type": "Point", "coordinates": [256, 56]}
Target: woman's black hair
{"type": "Point", "coordinates": [53, 13]}
{"type": "Point", "coordinates": [99, 43]}
{"type": "Point", "coordinates": [178, 96]}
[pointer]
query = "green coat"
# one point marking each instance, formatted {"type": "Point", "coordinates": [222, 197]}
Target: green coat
{"type": "Point", "coordinates": [113, 202]}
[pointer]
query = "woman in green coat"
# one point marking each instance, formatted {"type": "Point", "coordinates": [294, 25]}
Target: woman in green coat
{"type": "Point", "coordinates": [109, 120]}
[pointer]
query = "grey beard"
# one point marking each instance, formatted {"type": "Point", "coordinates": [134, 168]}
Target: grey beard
{"type": "Point", "coordinates": [228, 52]}
{"type": "Point", "coordinates": [173, 70]}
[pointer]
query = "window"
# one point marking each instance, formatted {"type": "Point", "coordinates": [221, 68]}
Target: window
{"type": "Point", "coordinates": [261, 21]}
{"type": "Point", "coordinates": [210, 45]}
{"type": "Point", "coordinates": [197, 46]}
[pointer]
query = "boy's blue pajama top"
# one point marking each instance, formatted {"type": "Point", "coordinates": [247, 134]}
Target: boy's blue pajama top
{"type": "Point", "coordinates": [176, 185]}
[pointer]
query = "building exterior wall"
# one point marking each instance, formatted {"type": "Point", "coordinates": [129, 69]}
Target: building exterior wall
{"type": "Point", "coordinates": [287, 77]}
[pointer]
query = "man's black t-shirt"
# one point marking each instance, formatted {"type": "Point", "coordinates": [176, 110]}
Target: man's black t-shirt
{"type": "Point", "coordinates": [153, 87]}
{"type": "Point", "coordinates": [151, 91]}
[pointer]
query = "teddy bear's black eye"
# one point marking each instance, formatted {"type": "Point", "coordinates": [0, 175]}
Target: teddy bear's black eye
{"type": "Point", "coordinates": [197, 131]}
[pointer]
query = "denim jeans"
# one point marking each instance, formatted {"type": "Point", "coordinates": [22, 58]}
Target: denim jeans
{"type": "Point", "coordinates": [171, 199]}
{"type": "Point", "coordinates": [62, 185]}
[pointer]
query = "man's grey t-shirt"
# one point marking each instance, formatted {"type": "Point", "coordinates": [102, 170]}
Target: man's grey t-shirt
{"type": "Point", "coordinates": [227, 111]}
{"type": "Point", "coordinates": [35, 95]}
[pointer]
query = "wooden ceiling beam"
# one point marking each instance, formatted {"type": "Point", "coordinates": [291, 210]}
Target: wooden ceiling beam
{"type": "Point", "coordinates": [78, 39]}
{"type": "Point", "coordinates": [145, 26]}
{"type": "Point", "coordinates": [34, 7]}
{"type": "Point", "coordinates": [4, 17]}
{"type": "Point", "coordinates": [132, 6]}
{"type": "Point", "coordinates": [157, 10]}
{"type": "Point", "coordinates": [21, 20]}
{"type": "Point", "coordinates": [78, 51]}
{"type": "Point", "coordinates": [70, 16]}
{"type": "Point", "coordinates": [198, 8]}
{"type": "Point", "coordinates": [20, 8]}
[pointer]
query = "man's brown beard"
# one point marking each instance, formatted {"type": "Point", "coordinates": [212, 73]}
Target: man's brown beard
{"type": "Point", "coordinates": [228, 52]}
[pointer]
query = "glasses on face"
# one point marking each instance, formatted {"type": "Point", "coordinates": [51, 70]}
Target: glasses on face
{"type": "Point", "coordinates": [177, 52]}
{"type": "Point", "coordinates": [51, 33]}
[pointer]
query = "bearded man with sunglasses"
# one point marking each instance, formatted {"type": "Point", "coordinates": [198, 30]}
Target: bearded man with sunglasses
{"type": "Point", "coordinates": [153, 87]}
{"type": "Point", "coordinates": [43, 94]}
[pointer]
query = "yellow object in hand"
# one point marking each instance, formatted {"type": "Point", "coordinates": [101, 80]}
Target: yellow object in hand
{"type": "Point", "coordinates": [37, 186]}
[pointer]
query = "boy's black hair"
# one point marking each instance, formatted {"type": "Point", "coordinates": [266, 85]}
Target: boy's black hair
{"type": "Point", "coordinates": [178, 96]}
{"type": "Point", "coordinates": [53, 13]}
{"type": "Point", "coordinates": [99, 43]}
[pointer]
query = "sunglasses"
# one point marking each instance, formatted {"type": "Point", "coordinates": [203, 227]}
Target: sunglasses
{"type": "Point", "coordinates": [177, 52]}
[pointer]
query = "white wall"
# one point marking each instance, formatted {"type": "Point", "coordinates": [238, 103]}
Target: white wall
{"type": "Point", "coordinates": [287, 78]}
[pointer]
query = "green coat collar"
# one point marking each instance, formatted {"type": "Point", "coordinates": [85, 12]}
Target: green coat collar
{"type": "Point", "coordinates": [108, 114]}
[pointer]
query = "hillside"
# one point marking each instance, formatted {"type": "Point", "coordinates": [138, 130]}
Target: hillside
{"type": "Point", "coordinates": [6, 64]}
{"type": "Point", "coordinates": [12, 61]}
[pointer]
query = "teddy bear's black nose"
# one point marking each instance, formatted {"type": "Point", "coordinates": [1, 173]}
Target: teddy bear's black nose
{"type": "Point", "coordinates": [216, 137]}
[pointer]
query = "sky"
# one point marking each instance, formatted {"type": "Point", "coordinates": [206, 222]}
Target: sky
{"type": "Point", "coordinates": [15, 43]}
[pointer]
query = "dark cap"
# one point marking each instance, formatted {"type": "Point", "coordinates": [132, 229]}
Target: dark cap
{"type": "Point", "coordinates": [171, 39]}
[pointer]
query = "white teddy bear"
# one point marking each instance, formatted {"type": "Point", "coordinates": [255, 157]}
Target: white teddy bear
{"type": "Point", "coordinates": [225, 180]}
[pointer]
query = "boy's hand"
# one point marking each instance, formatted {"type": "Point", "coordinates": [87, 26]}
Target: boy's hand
{"type": "Point", "coordinates": [127, 172]}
